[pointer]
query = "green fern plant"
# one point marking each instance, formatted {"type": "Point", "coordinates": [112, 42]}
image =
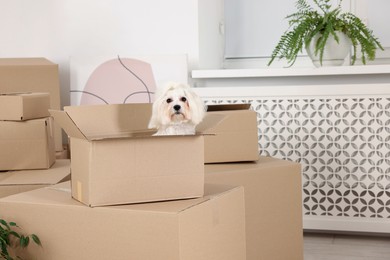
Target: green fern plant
{"type": "Point", "coordinates": [10, 237]}
{"type": "Point", "coordinates": [308, 22]}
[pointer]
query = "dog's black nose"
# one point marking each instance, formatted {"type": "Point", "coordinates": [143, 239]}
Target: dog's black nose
{"type": "Point", "coordinates": [177, 107]}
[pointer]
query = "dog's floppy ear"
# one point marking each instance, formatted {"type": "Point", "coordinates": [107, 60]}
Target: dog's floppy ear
{"type": "Point", "coordinates": [159, 113]}
{"type": "Point", "coordinates": [159, 109]}
{"type": "Point", "coordinates": [196, 105]}
{"type": "Point", "coordinates": [153, 122]}
{"type": "Point", "coordinates": [156, 110]}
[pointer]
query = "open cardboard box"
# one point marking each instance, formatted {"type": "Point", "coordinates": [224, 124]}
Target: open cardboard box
{"type": "Point", "coordinates": [27, 145]}
{"type": "Point", "coordinates": [33, 75]}
{"type": "Point", "coordinates": [24, 106]}
{"type": "Point", "coordinates": [116, 160]}
{"type": "Point", "coordinates": [207, 228]}
{"type": "Point", "coordinates": [12, 182]}
{"type": "Point", "coordinates": [235, 139]}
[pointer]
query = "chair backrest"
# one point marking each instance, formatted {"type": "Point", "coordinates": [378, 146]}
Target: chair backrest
{"type": "Point", "coordinates": [120, 80]}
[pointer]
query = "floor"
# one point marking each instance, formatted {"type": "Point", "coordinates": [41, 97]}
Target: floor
{"type": "Point", "coordinates": [345, 247]}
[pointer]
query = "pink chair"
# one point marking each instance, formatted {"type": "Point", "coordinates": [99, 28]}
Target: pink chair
{"type": "Point", "coordinates": [119, 81]}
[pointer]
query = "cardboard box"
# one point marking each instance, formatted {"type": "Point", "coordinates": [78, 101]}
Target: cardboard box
{"type": "Point", "coordinates": [26, 145]}
{"type": "Point", "coordinates": [116, 160]}
{"type": "Point", "coordinates": [13, 182]}
{"type": "Point", "coordinates": [207, 228]}
{"type": "Point", "coordinates": [24, 106]}
{"type": "Point", "coordinates": [64, 154]}
{"type": "Point", "coordinates": [32, 75]}
{"type": "Point", "coordinates": [273, 204]}
{"type": "Point", "coordinates": [236, 137]}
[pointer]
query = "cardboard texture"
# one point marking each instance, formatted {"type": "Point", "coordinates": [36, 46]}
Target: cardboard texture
{"type": "Point", "coordinates": [236, 137]}
{"type": "Point", "coordinates": [27, 144]}
{"type": "Point", "coordinates": [13, 182]}
{"type": "Point", "coordinates": [211, 227]}
{"type": "Point", "coordinates": [32, 75]}
{"type": "Point", "coordinates": [24, 106]}
{"type": "Point", "coordinates": [64, 154]}
{"type": "Point", "coordinates": [273, 205]}
{"type": "Point", "coordinates": [116, 160]}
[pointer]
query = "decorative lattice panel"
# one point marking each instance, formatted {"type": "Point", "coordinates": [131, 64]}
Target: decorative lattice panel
{"type": "Point", "coordinates": [343, 145]}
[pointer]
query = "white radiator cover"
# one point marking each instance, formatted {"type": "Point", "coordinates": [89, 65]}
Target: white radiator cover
{"type": "Point", "coordinates": [342, 141]}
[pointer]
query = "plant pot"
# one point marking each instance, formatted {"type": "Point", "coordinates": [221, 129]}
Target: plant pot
{"type": "Point", "coordinates": [334, 53]}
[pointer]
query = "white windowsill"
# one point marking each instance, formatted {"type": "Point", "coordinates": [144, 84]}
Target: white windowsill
{"type": "Point", "coordinates": [291, 72]}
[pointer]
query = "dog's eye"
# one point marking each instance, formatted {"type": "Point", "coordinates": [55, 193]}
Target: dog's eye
{"type": "Point", "coordinates": [169, 100]}
{"type": "Point", "coordinates": [183, 99]}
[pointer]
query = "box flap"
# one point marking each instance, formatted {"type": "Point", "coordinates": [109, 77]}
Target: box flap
{"type": "Point", "coordinates": [228, 107]}
{"type": "Point", "coordinates": [58, 172]}
{"type": "Point", "coordinates": [63, 119]}
{"type": "Point", "coordinates": [111, 120]}
{"type": "Point", "coordinates": [95, 122]}
{"type": "Point", "coordinates": [209, 122]}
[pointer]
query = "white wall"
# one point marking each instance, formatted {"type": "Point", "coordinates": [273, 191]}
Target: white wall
{"type": "Point", "coordinates": [59, 29]}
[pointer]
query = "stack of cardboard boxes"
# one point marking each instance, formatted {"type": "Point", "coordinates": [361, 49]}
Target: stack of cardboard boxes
{"type": "Point", "coordinates": [133, 195]}
{"type": "Point", "coordinates": [28, 138]}
{"type": "Point", "coordinates": [273, 200]}
{"type": "Point", "coordinates": [26, 132]}
{"type": "Point", "coordinates": [27, 149]}
{"type": "Point", "coordinates": [33, 75]}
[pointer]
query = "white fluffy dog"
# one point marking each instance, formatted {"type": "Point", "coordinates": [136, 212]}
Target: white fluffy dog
{"type": "Point", "coordinates": [177, 110]}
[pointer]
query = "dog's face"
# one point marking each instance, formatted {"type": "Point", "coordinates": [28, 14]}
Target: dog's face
{"type": "Point", "coordinates": [176, 106]}
{"type": "Point", "coordinates": [176, 103]}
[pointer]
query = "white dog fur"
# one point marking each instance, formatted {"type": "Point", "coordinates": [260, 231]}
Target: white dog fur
{"type": "Point", "coordinates": [177, 110]}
